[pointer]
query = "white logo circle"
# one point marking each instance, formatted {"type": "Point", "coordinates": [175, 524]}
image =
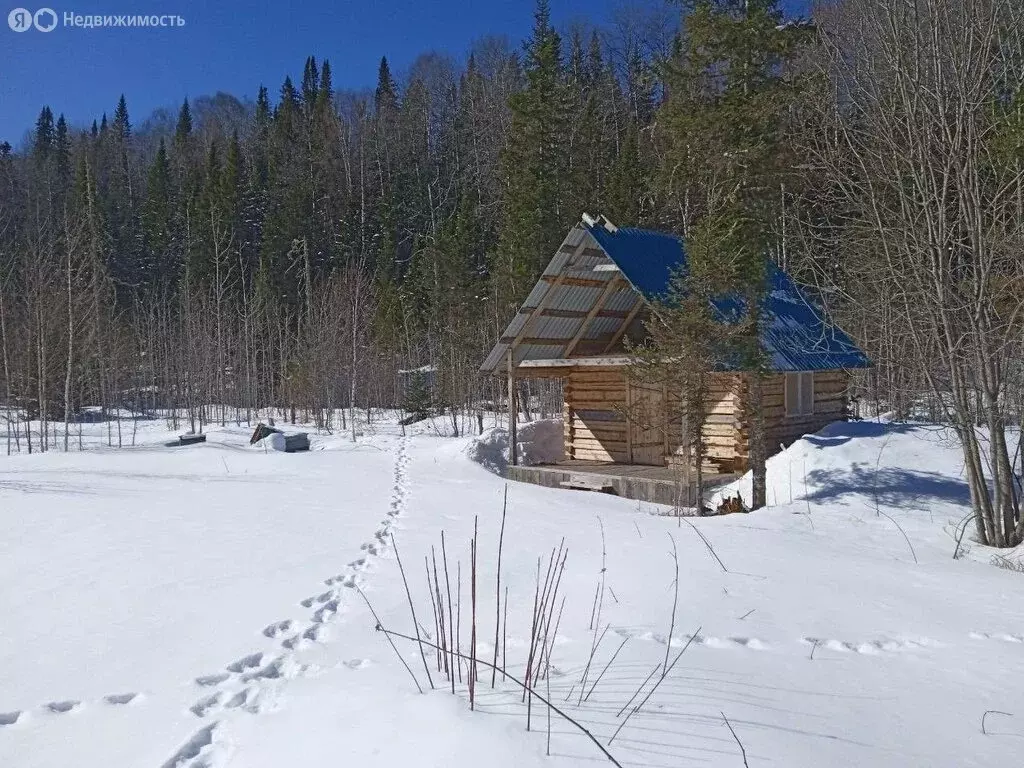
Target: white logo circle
{"type": "Point", "coordinates": [20, 20]}
{"type": "Point", "coordinates": [43, 22]}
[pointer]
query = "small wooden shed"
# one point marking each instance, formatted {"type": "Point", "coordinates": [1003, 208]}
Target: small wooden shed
{"type": "Point", "coordinates": [596, 292]}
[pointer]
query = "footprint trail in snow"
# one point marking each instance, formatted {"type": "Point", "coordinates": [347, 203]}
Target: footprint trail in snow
{"type": "Point", "coordinates": [252, 683]}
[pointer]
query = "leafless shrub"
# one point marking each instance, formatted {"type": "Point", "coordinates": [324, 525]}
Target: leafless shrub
{"type": "Point", "coordinates": [1009, 564]}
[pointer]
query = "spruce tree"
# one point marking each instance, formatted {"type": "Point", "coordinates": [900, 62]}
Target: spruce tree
{"type": "Point", "coordinates": [534, 165]}
{"type": "Point", "coordinates": [43, 139]}
{"type": "Point", "coordinates": [122, 126]}
{"type": "Point", "coordinates": [157, 221]}
{"type": "Point", "coordinates": [310, 83]}
{"type": "Point", "coordinates": [62, 150]}
{"type": "Point", "coordinates": [183, 128]}
{"type": "Point", "coordinates": [725, 117]}
{"type": "Point", "coordinates": [385, 96]}
{"type": "Point", "coordinates": [325, 96]}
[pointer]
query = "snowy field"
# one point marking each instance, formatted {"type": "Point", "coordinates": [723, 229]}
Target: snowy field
{"type": "Point", "coordinates": [195, 608]}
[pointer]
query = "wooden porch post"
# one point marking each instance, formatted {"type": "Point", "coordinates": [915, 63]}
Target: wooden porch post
{"type": "Point", "coordinates": [513, 449]}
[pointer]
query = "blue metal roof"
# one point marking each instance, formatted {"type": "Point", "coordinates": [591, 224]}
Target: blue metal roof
{"type": "Point", "coordinates": [794, 332]}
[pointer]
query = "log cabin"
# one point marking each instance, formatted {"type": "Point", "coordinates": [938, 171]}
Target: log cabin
{"type": "Point", "coordinates": [597, 292]}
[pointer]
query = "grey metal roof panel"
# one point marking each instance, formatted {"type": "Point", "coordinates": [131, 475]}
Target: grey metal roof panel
{"type": "Point", "coordinates": [622, 300]}
{"type": "Point", "coordinates": [602, 326]}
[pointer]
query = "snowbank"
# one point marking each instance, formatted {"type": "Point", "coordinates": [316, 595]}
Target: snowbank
{"type": "Point", "coordinates": [540, 442]}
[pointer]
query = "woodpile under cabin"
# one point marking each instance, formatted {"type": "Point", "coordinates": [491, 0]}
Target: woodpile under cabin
{"type": "Point", "coordinates": [624, 435]}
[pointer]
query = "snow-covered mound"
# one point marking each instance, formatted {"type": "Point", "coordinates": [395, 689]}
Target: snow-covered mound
{"type": "Point", "coordinates": [902, 465]}
{"type": "Point", "coordinates": [274, 441]}
{"type": "Point", "coordinates": [540, 442]}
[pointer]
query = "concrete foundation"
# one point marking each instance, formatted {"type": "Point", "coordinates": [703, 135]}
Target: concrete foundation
{"type": "Point", "coordinates": [657, 485]}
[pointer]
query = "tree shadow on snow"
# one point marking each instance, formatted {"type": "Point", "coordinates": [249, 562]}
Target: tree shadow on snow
{"type": "Point", "coordinates": [893, 486]}
{"type": "Point", "coordinates": [840, 432]}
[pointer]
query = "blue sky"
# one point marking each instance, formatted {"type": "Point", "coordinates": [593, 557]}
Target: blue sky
{"type": "Point", "coordinates": [235, 45]}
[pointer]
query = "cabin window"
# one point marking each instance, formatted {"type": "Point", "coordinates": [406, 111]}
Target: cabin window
{"type": "Point", "coordinates": [799, 394]}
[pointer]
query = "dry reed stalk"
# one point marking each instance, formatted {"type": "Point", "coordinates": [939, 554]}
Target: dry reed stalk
{"type": "Point", "coordinates": [412, 610]}
{"type": "Point", "coordinates": [606, 666]}
{"type": "Point", "coordinates": [472, 650]}
{"type": "Point", "coordinates": [637, 691]}
{"type": "Point", "coordinates": [533, 629]}
{"type": "Point", "coordinates": [546, 701]}
{"type": "Point", "coordinates": [590, 660]}
{"type": "Point", "coordinates": [401, 658]}
{"type": "Point", "coordinates": [552, 598]}
{"type": "Point", "coordinates": [451, 627]}
{"type": "Point", "coordinates": [654, 687]}
{"type": "Point", "coordinates": [458, 612]}
{"type": "Point", "coordinates": [675, 603]}
{"type": "Point", "coordinates": [433, 604]}
{"type": "Point", "coordinates": [497, 608]}
{"type": "Point", "coordinates": [443, 637]}
{"type": "Point", "coordinates": [504, 635]}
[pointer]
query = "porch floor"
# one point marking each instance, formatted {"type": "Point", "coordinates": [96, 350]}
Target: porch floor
{"type": "Point", "coordinates": [658, 485]}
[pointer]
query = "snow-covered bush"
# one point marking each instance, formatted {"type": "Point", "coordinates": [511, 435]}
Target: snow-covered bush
{"type": "Point", "coordinates": [540, 442]}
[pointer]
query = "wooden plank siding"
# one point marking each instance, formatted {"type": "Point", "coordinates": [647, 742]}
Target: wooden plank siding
{"type": "Point", "coordinates": [595, 424]}
{"type": "Point", "coordinates": [609, 419]}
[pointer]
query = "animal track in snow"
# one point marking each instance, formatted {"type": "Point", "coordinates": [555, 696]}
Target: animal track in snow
{"type": "Point", "coordinates": [245, 663]}
{"type": "Point", "coordinates": [870, 647]}
{"type": "Point", "coordinates": [1004, 636]}
{"type": "Point", "coordinates": [205, 705]}
{"type": "Point", "coordinates": [208, 681]}
{"type": "Point", "coordinates": [248, 699]}
{"type": "Point", "coordinates": [309, 602]}
{"type": "Point", "coordinates": [9, 718]}
{"type": "Point", "coordinates": [708, 641]}
{"type": "Point", "coordinates": [60, 707]}
{"type": "Point", "coordinates": [346, 580]}
{"type": "Point", "coordinates": [357, 663]}
{"type": "Point", "coordinates": [731, 642]}
{"type": "Point", "coordinates": [282, 666]}
{"type": "Point", "coordinates": [315, 634]}
{"type": "Point", "coordinates": [326, 611]}
{"type": "Point", "coordinates": [118, 699]}
{"type": "Point", "coordinates": [195, 753]}
{"type": "Point", "coordinates": [64, 706]}
{"type": "Point", "coordinates": [279, 628]}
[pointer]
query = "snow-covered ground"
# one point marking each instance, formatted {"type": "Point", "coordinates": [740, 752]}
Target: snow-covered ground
{"type": "Point", "coordinates": [171, 607]}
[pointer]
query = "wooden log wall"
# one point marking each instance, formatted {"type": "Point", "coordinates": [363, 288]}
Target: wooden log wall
{"type": "Point", "coordinates": [599, 404]}
{"type": "Point", "coordinates": [594, 418]}
{"type": "Point", "coordinates": [723, 429]}
{"type": "Point", "coordinates": [831, 402]}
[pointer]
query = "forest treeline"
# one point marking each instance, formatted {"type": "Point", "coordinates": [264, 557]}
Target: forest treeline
{"type": "Point", "coordinates": [303, 249]}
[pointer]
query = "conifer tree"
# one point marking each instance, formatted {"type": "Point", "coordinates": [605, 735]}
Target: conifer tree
{"type": "Point", "coordinates": [729, 92]}
{"type": "Point", "coordinates": [157, 221]}
{"type": "Point", "coordinates": [62, 151]}
{"type": "Point", "coordinates": [535, 164]}
{"type": "Point", "coordinates": [43, 139]}
{"type": "Point", "coordinates": [183, 128]}
{"type": "Point", "coordinates": [122, 126]}
{"type": "Point", "coordinates": [310, 83]}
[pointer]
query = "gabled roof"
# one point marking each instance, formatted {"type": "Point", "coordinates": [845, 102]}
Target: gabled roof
{"type": "Point", "coordinates": [577, 309]}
